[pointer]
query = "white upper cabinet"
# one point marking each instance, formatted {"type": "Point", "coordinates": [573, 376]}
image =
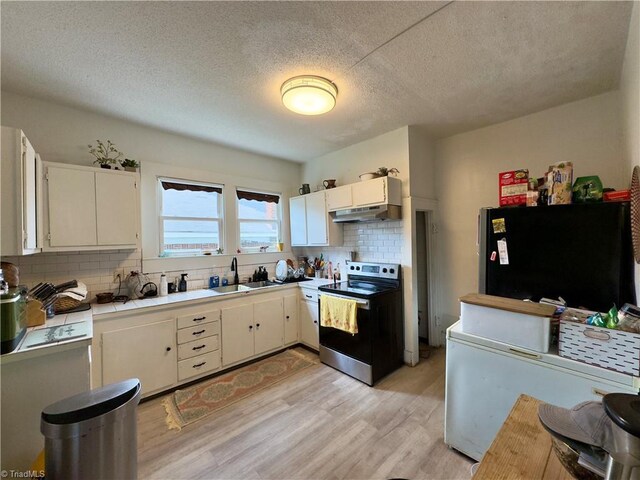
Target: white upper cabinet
{"type": "Point", "coordinates": [339, 197]}
{"type": "Point", "coordinates": [367, 193]}
{"type": "Point", "coordinates": [298, 220]}
{"type": "Point", "coordinates": [310, 222]}
{"type": "Point", "coordinates": [116, 208]}
{"type": "Point", "coordinates": [71, 207]}
{"type": "Point", "coordinates": [19, 186]}
{"type": "Point", "coordinates": [317, 219]}
{"type": "Point", "coordinates": [90, 209]}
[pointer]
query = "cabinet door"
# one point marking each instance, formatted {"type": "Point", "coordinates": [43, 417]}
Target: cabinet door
{"type": "Point", "coordinates": [72, 207]}
{"type": "Point", "coordinates": [316, 219]}
{"type": "Point", "coordinates": [237, 333]}
{"type": "Point", "coordinates": [116, 208]}
{"type": "Point", "coordinates": [339, 197]}
{"type": "Point", "coordinates": [298, 220]}
{"type": "Point", "coordinates": [290, 319]}
{"type": "Point", "coordinates": [29, 234]}
{"type": "Point", "coordinates": [309, 324]}
{"type": "Point", "coordinates": [269, 325]}
{"type": "Point", "coordinates": [147, 352]}
{"type": "Point", "coordinates": [370, 192]}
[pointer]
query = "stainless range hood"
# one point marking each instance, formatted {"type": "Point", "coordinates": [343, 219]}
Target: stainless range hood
{"type": "Point", "coordinates": [367, 214]}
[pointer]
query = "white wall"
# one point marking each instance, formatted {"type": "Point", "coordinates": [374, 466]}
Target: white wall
{"type": "Point", "coordinates": [422, 159]}
{"type": "Point", "coordinates": [630, 96]}
{"type": "Point", "coordinates": [387, 150]}
{"type": "Point", "coordinates": [630, 102]}
{"type": "Point", "coordinates": [61, 134]}
{"type": "Point", "coordinates": [586, 132]}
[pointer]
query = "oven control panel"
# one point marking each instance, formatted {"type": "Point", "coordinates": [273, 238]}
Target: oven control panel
{"type": "Point", "coordinates": [378, 270]}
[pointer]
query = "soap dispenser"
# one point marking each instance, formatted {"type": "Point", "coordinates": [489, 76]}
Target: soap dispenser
{"type": "Point", "coordinates": [182, 286]}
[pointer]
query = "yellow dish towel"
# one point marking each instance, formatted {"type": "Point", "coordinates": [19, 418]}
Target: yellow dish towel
{"type": "Point", "coordinates": [338, 313]}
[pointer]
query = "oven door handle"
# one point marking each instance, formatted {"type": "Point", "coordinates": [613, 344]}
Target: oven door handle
{"type": "Point", "coordinates": [361, 303]}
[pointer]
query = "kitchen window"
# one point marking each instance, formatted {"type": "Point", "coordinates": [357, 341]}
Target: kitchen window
{"type": "Point", "coordinates": [258, 221]}
{"type": "Point", "coordinates": [191, 219]}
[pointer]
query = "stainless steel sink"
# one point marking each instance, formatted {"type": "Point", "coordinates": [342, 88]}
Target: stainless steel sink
{"type": "Point", "coordinates": [231, 288]}
{"type": "Point", "coordinates": [263, 283]}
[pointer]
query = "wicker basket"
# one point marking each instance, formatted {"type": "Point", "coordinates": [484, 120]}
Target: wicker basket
{"type": "Point", "coordinates": [65, 303]}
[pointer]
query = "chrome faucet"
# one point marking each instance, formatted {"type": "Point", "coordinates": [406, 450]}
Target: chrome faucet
{"type": "Point", "coordinates": [234, 268]}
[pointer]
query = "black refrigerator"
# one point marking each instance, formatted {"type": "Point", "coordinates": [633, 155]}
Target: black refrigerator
{"type": "Point", "coordinates": [580, 252]}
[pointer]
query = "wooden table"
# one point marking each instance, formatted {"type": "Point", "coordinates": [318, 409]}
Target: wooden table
{"type": "Point", "coordinates": [522, 448]}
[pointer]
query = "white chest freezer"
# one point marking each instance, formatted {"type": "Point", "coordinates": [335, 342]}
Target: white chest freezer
{"type": "Point", "coordinates": [485, 377]}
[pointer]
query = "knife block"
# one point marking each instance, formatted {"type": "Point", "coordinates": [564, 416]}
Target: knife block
{"type": "Point", "coordinates": [35, 316]}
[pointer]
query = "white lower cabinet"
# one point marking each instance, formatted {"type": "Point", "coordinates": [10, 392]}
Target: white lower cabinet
{"type": "Point", "coordinates": [309, 324]}
{"type": "Point", "coordinates": [237, 333]}
{"type": "Point", "coordinates": [198, 347]}
{"type": "Point", "coordinates": [198, 338]}
{"type": "Point", "coordinates": [291, 319]}
{"type": "Point", "coordinates": [251, 329]}
{"type": "Point", "coordinates": [269, 327]}
{"type": "Point", "coordinates": [175, 345]}
{"type": "Point", "coordinates": [147, 352]}
{"type": "Point", "coordinates": [198, 365]}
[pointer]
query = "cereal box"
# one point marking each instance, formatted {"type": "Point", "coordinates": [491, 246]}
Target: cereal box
{"type": "Point", "coordinates": [513, 187]}
{"type": "Point", "coordinates": [559, 181]}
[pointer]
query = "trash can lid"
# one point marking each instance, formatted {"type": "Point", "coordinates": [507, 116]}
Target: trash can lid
{"type": "Point", "coordinates": [91, 404]}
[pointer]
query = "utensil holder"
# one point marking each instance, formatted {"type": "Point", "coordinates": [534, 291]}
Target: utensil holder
{"type": "Point", "coordinates": [319, 273]}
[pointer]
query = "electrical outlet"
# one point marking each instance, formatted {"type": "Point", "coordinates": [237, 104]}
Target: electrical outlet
{"type": "Point", "coordinates": [438, 321]}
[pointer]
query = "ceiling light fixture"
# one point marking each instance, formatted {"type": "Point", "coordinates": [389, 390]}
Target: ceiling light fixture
{"type": "Point", "coordinates": [309, 95]}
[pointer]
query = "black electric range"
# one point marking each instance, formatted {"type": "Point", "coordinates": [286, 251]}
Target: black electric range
{"type": "Point", "coordinates": [378, 347]}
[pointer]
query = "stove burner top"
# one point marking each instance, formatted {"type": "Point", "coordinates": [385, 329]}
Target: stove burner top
{"type": "Point", "coordinates": [356, 288]}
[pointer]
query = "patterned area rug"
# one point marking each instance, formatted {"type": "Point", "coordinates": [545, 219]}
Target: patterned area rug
{"type": "Point", "coordinates": [190, 405]}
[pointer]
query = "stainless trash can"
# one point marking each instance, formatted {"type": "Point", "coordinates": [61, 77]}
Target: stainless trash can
{"type": "Point", "coordinates": [93, 434]}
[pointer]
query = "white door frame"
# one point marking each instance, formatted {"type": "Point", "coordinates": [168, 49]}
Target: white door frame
{"type": "Point", "coordinates": [410, 206]}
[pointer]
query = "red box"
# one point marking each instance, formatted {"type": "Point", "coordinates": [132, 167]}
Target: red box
{"type": "Point", "coordinates": [513, 187]}
{"type": "Point", "coordinates": [617, 196]}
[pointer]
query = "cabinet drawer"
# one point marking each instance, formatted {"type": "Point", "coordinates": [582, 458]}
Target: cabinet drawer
{"type": "Point", "coordinates": [198, 365]}
{"type": "Point", "coordinates": [199, 331]}
{"type": "Point", "coordinates": [186, 321]}
{"type": "Point", "coordinates": [198, 347]}
{"type": "Point", "coordinates": [309, 295]}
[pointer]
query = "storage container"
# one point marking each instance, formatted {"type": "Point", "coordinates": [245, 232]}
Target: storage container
{"type": "Point", "coordinates": [603, 347]}
{"type": "Point", "coordinates": [507, 320]}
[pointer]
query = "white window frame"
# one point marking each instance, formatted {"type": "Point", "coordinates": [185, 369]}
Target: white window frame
{"type": "Point", "coordinates": [161, 217]}
{"type": "Point", "coordinates": [240, 221]}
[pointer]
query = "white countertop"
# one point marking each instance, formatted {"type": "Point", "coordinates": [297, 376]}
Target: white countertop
{"type": "Point", "coordinates": [23, 353]}
{"type": "Point", "coordinates": [193, 297]}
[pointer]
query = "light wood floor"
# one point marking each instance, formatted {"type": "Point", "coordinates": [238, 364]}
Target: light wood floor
{"type": "Point", "coordinates": [318, 424]}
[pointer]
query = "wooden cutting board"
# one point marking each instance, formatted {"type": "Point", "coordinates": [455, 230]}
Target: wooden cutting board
{"type": "Point", "coordinates": [509, 304]}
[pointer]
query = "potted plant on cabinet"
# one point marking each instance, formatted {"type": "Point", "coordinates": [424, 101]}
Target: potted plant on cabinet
{"type": "Point", "coordinates": [384, 172]}
{"type": "Point", "coordinates": [130, 165]}
{"type": "Point", "coordinates": [106, 154]}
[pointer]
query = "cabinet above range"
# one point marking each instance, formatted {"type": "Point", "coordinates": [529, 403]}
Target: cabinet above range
{"type": "Point", "coordinates": [378, 191]}
{"type": "Point", "coordinates": [89, 208]}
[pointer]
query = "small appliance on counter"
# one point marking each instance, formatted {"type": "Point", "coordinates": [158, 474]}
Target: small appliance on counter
{"type": "Point", "coordinates": [12, 318]}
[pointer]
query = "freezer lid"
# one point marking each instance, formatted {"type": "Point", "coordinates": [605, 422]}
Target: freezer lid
{"type": "Point", "coordinates": [455, 332]}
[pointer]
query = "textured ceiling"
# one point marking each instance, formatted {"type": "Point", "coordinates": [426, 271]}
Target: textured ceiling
{"type": "Point", "coordinates": [213, 70]}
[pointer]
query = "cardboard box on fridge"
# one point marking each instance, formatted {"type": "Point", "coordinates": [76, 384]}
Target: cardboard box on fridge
{"type": "Point", "coordinates": [513, 187]}
{"type": "Point", "coordinates": [559, 182]}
